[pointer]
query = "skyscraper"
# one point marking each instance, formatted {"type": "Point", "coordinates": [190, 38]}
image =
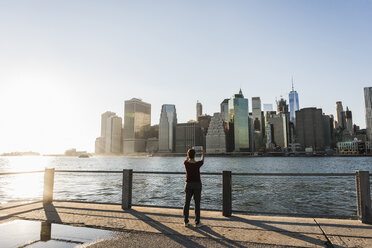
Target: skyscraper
{"type": "Point", "coordinates": [339, 117]}
{"type": "Point", "coordinates": [225, 109]}
{"type": "Point", "coordinates": [277, 129]}
{"type": "Point", "coordinates": [257, 130]}
{"type": "Point", "coordinates": [216, 137]}
{"type": "Point", "coordinates": [100, 144]}
{"type": "Point", "coordinates": [257, 114]}
{"type": "Point", "coordinates": [294, 104]}
{"type": "Point", "coordinates": [167, 128]}
{"type": "Point", "coordinates": [187, 136]}
{"type": "Point", "coordinates": [204, 121]}
{"type": "Point", "coordinates": [282, 106]}
{"type": "Point", "coordinates": [327, 130]}
{"type": "Point", "coordinates": [113, 135]}
{"type": "Point", "coordinates": [368, 105]}
{"type": "Point", "coordinates": [348, 121]}
{"type": "Point", "coordinates": [104, 118]}
{"type": "Point", "coordinates": [310, 128]}
{"type": "Point", "coordinates": [199, 110]}
{"type": "Point", "coordinates": [137, 120]}
{"type": "Point", "coordinates": [238, 115]}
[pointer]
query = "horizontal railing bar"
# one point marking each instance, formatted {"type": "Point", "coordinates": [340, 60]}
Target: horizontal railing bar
{"type": "Point", "coordinates": [175, 173]}
{"type": "Point", "coordinates": [160, 172]}
{"type": "Point", "coordinates": [217, 173]}
{"type": "Point", "coordinates": [295, 174]}
{"type": "Point", "coordinates": [137, 172]}
{"type": "Point", "coordinates": [19, 172]}
{"type": "Point", "coordinates": [9, 205]}
{"type": "Point", "coordinates": [87, 171]}
{"type": "Point", "coordinates": [90, 202]}
{"type": "Point", "coordinates": [296, 215]}
{"type": "Point", "coordinates": [183, 173]}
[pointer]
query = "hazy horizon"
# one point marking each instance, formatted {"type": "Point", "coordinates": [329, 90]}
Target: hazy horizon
{"type": "Point", "coordinates": [64, 63]}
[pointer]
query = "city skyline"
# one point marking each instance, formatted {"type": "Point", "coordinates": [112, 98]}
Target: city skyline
{"type": "Point", "coordinates": [64, 64]}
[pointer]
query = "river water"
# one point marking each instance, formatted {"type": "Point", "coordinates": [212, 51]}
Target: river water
{"type": "Point", "coordinates": [297, 195]}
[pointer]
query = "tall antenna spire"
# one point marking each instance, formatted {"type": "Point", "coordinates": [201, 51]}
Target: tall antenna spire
{"type": "Point", "coordinates": [292, 84]}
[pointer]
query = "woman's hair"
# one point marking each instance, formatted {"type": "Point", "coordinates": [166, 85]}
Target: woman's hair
{"type": "Point", "coordinates": [191, 153]}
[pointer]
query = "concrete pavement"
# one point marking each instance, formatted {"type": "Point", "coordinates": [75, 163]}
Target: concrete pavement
{"type": "Point", "coordinates": [150, 227]}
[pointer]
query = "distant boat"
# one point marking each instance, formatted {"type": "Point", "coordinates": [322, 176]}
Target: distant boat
{"type": "Point", "coordinates": [83, 156]}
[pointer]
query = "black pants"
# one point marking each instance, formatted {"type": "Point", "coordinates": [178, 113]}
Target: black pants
{"type": "Point", "coordinates": [192, 189]}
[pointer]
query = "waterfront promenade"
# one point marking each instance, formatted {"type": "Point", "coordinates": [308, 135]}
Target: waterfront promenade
{"type": "Point", "coordinates": [157, 227]}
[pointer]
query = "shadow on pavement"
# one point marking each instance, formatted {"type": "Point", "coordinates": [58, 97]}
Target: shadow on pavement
{"type": "Point", "coordinates": [295, 235]}
{"type": "Point", "coordinates": [176, 236]}
{"type": "Point", "coordinates": [209, 233]}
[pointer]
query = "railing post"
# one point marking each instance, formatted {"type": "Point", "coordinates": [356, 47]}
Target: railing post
{"type": "Point", "coordinates": [48, 186]}
{"type": "Point", "coordinates": [127, 189]}
{"type": "Point", "coordinates": [226, 194]}
{"type": "Point", "coordinates": [363, 196]}
{"type": "Point", "coordinates": [46, 231]}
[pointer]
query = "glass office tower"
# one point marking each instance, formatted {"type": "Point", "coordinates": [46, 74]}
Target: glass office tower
{"type": "Point", "coordinates": [238, 115]}
{"type": "Point", "coordinates": [167, 128]}
{"type": "Point", "coordinates": [294, 104]}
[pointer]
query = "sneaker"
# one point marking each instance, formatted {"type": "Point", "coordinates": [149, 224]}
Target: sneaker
{"type": "Point", "coordinates": [199, 224]}
{"type": "Point", "coordinates": [186, 224]}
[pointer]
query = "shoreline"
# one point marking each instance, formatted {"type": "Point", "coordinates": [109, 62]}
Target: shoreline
{"type": "Point", "coordinates": [227, 155]}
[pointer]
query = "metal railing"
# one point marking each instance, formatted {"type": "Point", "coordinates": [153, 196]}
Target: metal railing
{"type": "Point", "coordinates": [362, 178]}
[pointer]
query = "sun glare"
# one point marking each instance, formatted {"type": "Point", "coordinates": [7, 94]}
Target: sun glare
{"type": "Point", "coordinates": [23, 187]}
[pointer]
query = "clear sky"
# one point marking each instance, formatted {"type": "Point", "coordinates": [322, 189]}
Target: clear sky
{"type": "Point", "coordinates": [63, 63]}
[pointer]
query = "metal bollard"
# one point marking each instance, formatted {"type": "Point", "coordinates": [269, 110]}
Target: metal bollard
{"type": "Point", "coordinates": [226, 194]}
{"type": "Point", "coordinates": [127, 189]}
{"type": "Point", "coordinates": [363, 196]}
{"type": "Point", "coordinates": [48, 186]}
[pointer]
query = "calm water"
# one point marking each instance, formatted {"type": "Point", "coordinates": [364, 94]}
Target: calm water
{"type": "Point", "coordinates": [306, 195]}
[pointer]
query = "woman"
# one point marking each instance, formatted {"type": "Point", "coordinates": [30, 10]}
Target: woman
{"type": "Point", "coordinates": [193, 186]}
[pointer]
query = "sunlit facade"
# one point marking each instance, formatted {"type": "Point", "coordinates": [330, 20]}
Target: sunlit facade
{"type": "Point", "coordinates": [100, 144]}
{"type": "Point", "coordinates": [238, 115]}
{"type": "Point", "coordinates": [113, 135]}
{"type": "Point", "coordinates": [137, 120]}
{"type": "Point", "coordinates": [167, 128]}
{"type": "Point", "coordinates": [104, 118]}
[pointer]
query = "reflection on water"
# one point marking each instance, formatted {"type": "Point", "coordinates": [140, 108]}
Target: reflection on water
{"type": "Point", "coordinates": [309, 195]}
{"type": "Point", "coordinates": [23, 233]}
